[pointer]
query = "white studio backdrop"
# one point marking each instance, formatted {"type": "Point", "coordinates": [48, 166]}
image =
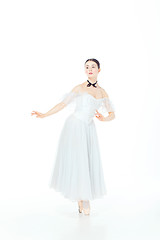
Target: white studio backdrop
{"type": "Point", "coordinates": [44, 45]}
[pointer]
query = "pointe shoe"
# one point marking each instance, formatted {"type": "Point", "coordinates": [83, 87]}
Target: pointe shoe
{"type": "Point", "coordinates": [86, 207]}
{"type": "Point", "coordinates": [80, 206]}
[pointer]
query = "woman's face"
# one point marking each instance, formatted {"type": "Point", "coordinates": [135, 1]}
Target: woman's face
{"type": "Point", "coordinates": [91, 69]}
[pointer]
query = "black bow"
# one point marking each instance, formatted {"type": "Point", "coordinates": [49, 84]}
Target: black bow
{"type": "Point", "coordinates": [89, 84]}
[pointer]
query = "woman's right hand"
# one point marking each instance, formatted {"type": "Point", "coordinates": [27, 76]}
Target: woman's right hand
{"type": "Point", "coordinates": [39, 115]}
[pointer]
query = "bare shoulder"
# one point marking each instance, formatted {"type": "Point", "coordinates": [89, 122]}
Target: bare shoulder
{"type": "Point", "coordinates": [104, 93]}
{"type": "Point", "coordinates": [77, 88]}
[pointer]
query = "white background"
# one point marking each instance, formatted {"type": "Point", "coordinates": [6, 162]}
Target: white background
{"type": "Point", "coordinates": [43, 48]}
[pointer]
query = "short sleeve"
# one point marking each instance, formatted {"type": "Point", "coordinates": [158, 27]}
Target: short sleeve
{"type": "Point", "coordinates": [107, 105]}
{"type": "Point", "coordinates": [68, 97]}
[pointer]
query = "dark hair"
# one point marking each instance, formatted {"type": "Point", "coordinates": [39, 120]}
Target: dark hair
{"type": "Point", "coordinates": [94, 60]}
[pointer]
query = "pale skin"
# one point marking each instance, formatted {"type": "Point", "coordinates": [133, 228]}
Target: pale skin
{"type": "Point", "coordinates": [90, 67]}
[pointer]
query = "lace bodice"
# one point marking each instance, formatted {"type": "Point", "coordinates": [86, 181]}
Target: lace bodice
{"type": "Point", "coordinates": [86, 105]}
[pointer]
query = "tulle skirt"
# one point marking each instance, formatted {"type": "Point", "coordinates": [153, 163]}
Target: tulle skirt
{"type": "Point", "coordinates": [77, 170]}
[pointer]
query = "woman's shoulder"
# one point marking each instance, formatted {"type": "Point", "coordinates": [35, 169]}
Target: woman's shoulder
{"type": "Point", "coordinates": [77, 88]}
{"type": "Point", "coordinates": [104, 93]}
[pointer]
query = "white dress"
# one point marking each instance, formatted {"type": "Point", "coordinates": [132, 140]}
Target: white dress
{"type": "Point", "coordinates": [77, 172]}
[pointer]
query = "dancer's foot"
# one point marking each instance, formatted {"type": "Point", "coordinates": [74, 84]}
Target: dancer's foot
{"type": "Point", "coordinates": [80, 206]}
{"type": "Point", "coordinates": [86, 207]}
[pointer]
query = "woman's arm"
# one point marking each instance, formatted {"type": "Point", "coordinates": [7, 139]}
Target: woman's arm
{"type": "Point", "coordinates": [69, 97]}
{"type": "Point", "coordinates": [55, 109]}
{"type": "Point", "coordinates": [100, 117]}
{"type": "Point", "coordinates": [110, 117]}
{"type": "Point", "coordinates": [109, 108]}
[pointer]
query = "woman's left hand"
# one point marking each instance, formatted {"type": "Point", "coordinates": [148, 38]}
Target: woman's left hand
{"type": "Point", "coordinates": [99, 116]}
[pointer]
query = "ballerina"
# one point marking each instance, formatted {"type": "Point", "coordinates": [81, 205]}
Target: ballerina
{"type": "Point", "coordinates": [77, 173]}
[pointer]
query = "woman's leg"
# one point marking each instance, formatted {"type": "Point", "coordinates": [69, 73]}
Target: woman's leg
{"type": "Point", "coordinates": [80, 205]}
{"type": "Point", "coordinates": [86, 207]}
